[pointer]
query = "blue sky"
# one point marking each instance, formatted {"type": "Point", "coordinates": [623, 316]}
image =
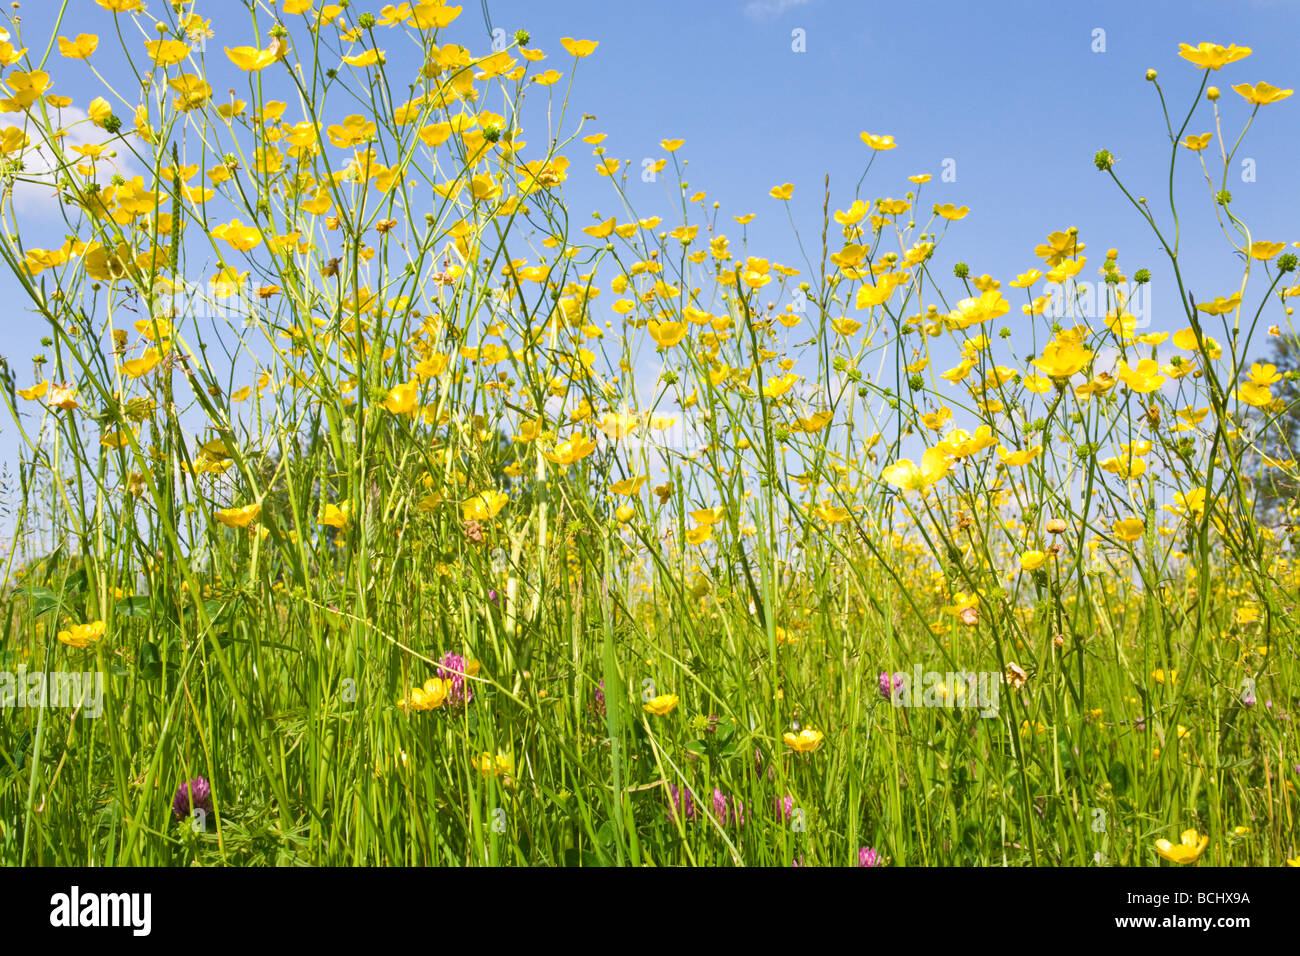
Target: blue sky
{"type": "Point", "coordinates": [1013, 95]}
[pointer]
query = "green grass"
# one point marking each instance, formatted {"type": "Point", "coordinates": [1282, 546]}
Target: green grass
{"type": "Point", "coordinates": [767, 570]}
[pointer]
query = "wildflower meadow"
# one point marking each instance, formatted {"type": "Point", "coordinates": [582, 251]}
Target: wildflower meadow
{"type": "Point", "coordinates": [372, 501]}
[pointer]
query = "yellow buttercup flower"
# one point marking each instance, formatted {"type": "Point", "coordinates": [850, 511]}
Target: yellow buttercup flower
{"type": "Point", "coordinates": [579, 48]}
{"type": "Point", "coordinates": [699, 534]}
{"type": "Point", "coordinates": [776, 387]}
{"type": "Point", "coordinates": [82, 635]}
{"type": "Point", "coordinates": [1143, 377]}
{"type": "Point", "coordinates": [402, 398]}
{"type": "Point", "coordinates": [250, 59]}
{"type": "Point", "coordinates": [661, 705]}
{"type": "Point", "coordinates": [1022, 456]}
{"type": "Point", "coordinates": [167, 52]}
{"type": "Point", "coordinates": [1266, 250]}
{"type": "Point", "coordinates": [1261, 94]}
{"type": "Point", "coordinates": [35, 392]}
{"type": "Point", "coordinates": [353, 131]}
{"type": "Point", "coordinates": [1063, 359]}
{"type": "Point", "coordinates": [666, 334]}
{"type": "Point", "coordinates": [80, 47]}
{"type": "Point", "coordinates": [367, 58]}
{"type": "Point", "coordinates": [959, 443]}
{"type": "Point", "coordinates": [628, 486]}
{"type": "Point", "coordinates": [334, 516]}
{"type": "Point", "coordinates": [906, 476]}
{"type": "Point", "coordinates": [878, 143]}
{"type": "Point", "coordinates": [869, 296]}
{"type": "Point", "coordinates": [1219, 305]}
{"type": "Point", "coordinates": [1059, 247]}
{"type": "Point", "coordinates": [709, 516]}
{"type": "Point", "coordinates": [240, 517]}
{"type": "Point", "coordinates": [1186, 339]}
{"type": "Point", "coordinates": [1190, 846]}
{"type": "Point", "coordinates": [429, 697]}
{"type": "Point", "coordinates": [423, 16]}
{"type": "Point", "coordinates": [134, 368]}
{"type": "Point", "coordinates": [831, 514]}
{"type": "Point", "coordinates": [1211, 56]}
{"type": "Point", "coordinates": [816, 421]}
{"type": "Point", "coordinates": [853, 214]}
{"type": "Point", "coordinates": [1264, 374]}
{"type": "Point", "coordinates": [571, 450]}
{"type": "Point", "coordinates": [485, 506]}
{"type": "Point", "coordinates": [601, 230]}
{"type": "Point", "coordinates": [63, 397]}
{"type": "Point", "coordinates": [1032, 560]}
{"type": "Point", "coordinates": [501, 765]}
{"type": "Point", "coordinates": [1188, 504]}
{"type": "Point", "coordinates": [239, 236]}
{"type": "Point", "coordinates": [1129, 529]}
{"type": "Point", "coordinates": [117, 439]}
{"type": "Point", "coordinates": [1255, 394]}
{"type": "Point", "coordinates": [805, 741]}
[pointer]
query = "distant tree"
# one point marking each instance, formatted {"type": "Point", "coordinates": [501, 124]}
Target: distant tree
{"type": "Point", "coordinates": [1274, 431]}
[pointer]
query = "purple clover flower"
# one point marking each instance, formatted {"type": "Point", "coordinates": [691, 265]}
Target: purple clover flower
{"type": "Point", "coordinates": [867, 856]}
{"type": "Point", "coordinates": [191, 796]}
{"type": "Point", "coordinates": [725, 810]}
{"type": "Point", "coordinates": [785, 807]}
{"type": "Point", "coordinates": [681, 804]}
{"type": "Point", "coordinates": [890, 685]}
{"type": "Point", "coordinates": [452, 668]}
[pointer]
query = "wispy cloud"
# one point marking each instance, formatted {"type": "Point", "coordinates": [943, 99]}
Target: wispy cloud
{"type": "Point", "coordinates": [41, 199]}
{"type": "Point", "coordinates": [771, 9]}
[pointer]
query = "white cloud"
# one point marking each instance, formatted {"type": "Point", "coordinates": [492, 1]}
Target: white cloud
{"type": "Point", "coordinates": [40, 200]}
{"type": "Point", "coordinates": [771, 9]}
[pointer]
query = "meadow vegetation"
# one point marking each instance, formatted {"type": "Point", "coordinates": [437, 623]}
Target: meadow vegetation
{"type": "Point", "coordinates": [411, 516]}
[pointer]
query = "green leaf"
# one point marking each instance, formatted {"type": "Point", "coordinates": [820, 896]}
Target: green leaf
{"type": "Point", "coordinates": [13, 763]}
{"type": "Point", "coordinates": [150, 662]}
{"type": "Point", "coordinates": [43, 599]}
{"type": "Point", "coordinates": [77, 582]}
{"type": "Point", "coordinates": [575, 857]}
{"type": "Point", "coordinates": [1118, 776]}
{"type": "Point", "coordinates": [133, 607]}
